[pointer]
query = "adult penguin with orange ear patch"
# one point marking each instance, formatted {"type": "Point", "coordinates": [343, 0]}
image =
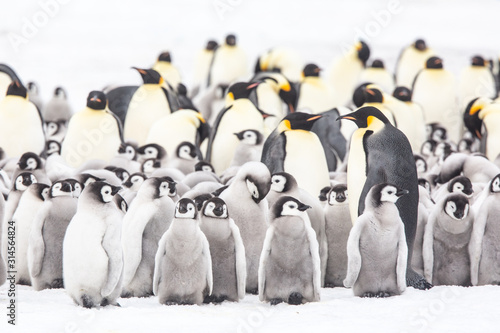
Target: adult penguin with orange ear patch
{"type": "Point", "coordinates": [292, 147]}
{"type": "Point", "coordinates": [380, 153]}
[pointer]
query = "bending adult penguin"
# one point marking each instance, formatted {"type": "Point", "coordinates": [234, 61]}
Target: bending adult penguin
{"type": "Point", "coordinates": [293, 148]}
{"type": "Point", "coordinates": [314, 93]}
{"type": "Point", "coordinates": [381, 153]}
{"type": "Point", "coordinates": [93, 133]}
{"type": "Point", "coordinates": [274, 90]}
{"type": "Point", "coordinates": [92, 253]}
{"type": "Point", "coordinates": [149, 103]}
{"type": "Point", "coordinates": [167, 71]}
{"type": "Point", "coordinates": [476, 80]}
{"type": "Point", "coordinates": [229, 63]}
{"type": "Point", "coordinates": [411, 60]}
{"type": "Point", "coordinates": [21, 124]}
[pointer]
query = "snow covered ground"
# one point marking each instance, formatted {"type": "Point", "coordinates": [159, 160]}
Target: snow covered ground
{"type": "Point", "coordinates": [86, 45]}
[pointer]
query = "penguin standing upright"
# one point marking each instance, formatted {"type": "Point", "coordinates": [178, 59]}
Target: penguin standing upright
{"type": "Point", "coordinates": [490, 117]}
{"type": "Point", "coordinates": [374, 97]}
{"type": "Point", "coordinates": [93, 133]}
{"type": "Point", "coordinates": [315, 94]}
{"type": "Point", "coordinates": [416, 114]}
{"type": "Point", "coordinates": [21, 125]}
{"type": "Point", "coordinates": [150, 102]}
{"type": "Point", "coordinates": [34, 95]}
{"type": "Point", "coordinates": [293, 148]}
{"type": "Point", "coordinates": [345, 71]}
{"type": "Point", "coordinates": [229, 63]}
{"type": "Point", "coordinates": [379, 75]}
{"type": "Point", "coordinates": [282, 60]}
{"type": "Point", "coordinates": [476, 80]}
{"type": "Point", "coordinates": [202, 66]}
{"type": "Point", "coordinates": [167, 71]}
{"type": "Point", "coordinates": [434, 89]}
{"type": "Point", "coordinates": [57, 108]}
{"type": "Point", "coordinates": [92, 253]}
{"type": "Point", "coordinates": [249, 149]}
{"type": "Point", "coordinates": [379, 153]}
{"type": "Point", "coordinates": [411, 60]}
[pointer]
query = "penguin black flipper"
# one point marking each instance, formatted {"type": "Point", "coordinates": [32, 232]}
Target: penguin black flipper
{"type": "Point", "coordinates": [119, 99]}
{"type": "Point", "coordinates": [10, 72]}
{"type": "Point", "coordinates": [171, 98]}
{"type": "Point", "coordinates": [213, 133]}
{"type": "Point", "coordinates": [118, 123]}
{"type": "Point", "coordinates": [274, 152]}
{"type": "Point", "coordinates": [327, 128]}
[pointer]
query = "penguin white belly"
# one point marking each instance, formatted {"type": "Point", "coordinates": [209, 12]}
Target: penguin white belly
{"type": "Point", "coordinates": [5, 80]}
{"type": "Point", "coordinates": [146, 106]}
{"type": "Point", "coordinates": [315, 96]}
{"type": "Point", "coordinates": [410, 63]}
{"type": "Point", "coordinates": [230, 63]}
{"type": "Point", "coordinates": [419, 122]}
{"type": "Point", "coordinates": [201, 67]}
{"type": "Point", "coordinates": [288, 60]}
{"type": "Point", "coordinates": [168, 72]}
{"type": "Point", "coordinates": [405, 120]}
{"type": "Point", "coordinates": [475, 82]}
{"type": "Point", "coordinates": [343, 76]}
{"type": "Point", "coordinates": [91, 135]}
{"type": "Point", "coordinates": [492, 123]}
{"type": "Point", "coordinates": [305, 160]}
{"type": "Point", "coordinates": [242, 116]}
{"type": "Point", "coordinates": [379, 76]}
{"type": "Point", "coordinates": [20, 127]}
{"type": "Point", "coordinates": [356, 175]}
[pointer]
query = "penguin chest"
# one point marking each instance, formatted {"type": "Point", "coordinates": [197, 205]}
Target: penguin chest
{"type": "Point", "coordinates": [356, 171]}
{"type": "Point", "coordinates": [315, 95]}
{"type": "Point", "coordinates": [269, 101]}
{"type": "Point", "coordinates": [492, 123]}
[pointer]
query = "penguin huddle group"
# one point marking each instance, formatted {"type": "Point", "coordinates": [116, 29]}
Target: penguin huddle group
{"type": "Point", "coordinates": [255, 183]}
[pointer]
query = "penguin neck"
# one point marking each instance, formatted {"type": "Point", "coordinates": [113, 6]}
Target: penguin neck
{"type": "Point", "coordinates": [386, 212]}
{"type": "Point", "coordinates": [290, 226]}
{"type": "Point", "coordinates": [216, 228]}
{"type": "Point", "coordinates": [184, 228]}
{"type": "Point", "coordinates": [455, 227]}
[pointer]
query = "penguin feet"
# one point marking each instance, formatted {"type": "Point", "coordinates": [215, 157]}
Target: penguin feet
{"type": "Point", "coordinates": [106, 302]}
{"type": "Point", "coordinates": [87, 301]}
{"type": "Point", "coordinates": [215, 299]}
{"type": "Point", "coordinates": [368, 294]}
{"type": "Point", "coordinates": [126, 294]}
{"type": "Point", "coordinates": [276, 301]}
{"type": "Point", "coordinates": [253, 291]}
{"type": "Point", "coordinates": [383, 294]}
{"type": "Point", "coordinates": [295, 298]}
{"type": "Point", "coordinates": [170, 303]}
{"type": "Point", "coordinates": [329, 285]}
{"type": "Point", "coordinates": [57, 284]}
{"type": "Point", "coordinates": [417, 281]}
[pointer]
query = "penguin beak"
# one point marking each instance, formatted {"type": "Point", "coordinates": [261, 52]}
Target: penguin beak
{"type": "Point", "coordinates": [218, 211]}
{"type": "Point", "coordinates": [182, 209]}
{"type": "Point", "coordinates": [314, 118]}
{"type": "Point", "coordinates": [115, 189]}
{"type": "Point", "coordinates": [371, 92]}
{"type": "Point", "coordinates": [400, 193]}
{"type": "Point", "coordinates": [128, 184]}
{"type": "Point", "coordinates": [253, 85]}
{"type": "Point", "coordinates": [340, 197]}
{"type": "Point", "coordinates": [303, 207]}
{"type": "Point", "coordinates": [346, 117]}
{"type": "Point", "coordinates": [66, 187]}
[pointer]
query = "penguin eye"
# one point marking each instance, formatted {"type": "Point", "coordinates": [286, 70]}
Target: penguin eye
{"type": "Point", "coordinates": [33, 179]}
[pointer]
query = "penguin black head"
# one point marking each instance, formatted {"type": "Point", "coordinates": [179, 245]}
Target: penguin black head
{"type": "Point", "coordinates": [434, 63]}
{"type": "Point", "coordinates": [364, 116]}
{"type": "Point", "coordinates": [298, 121]}
{"type": "Point", "coordinates": [215, 207]}
{"type": "Point", "coordinates": [460, 184]}
{"type": "Point", "coordinates": [420, 163]}
{"type": "Point", "coordinates": [120, 203]}
{"type": "Point", "coordinates": [363, 52]}
{"type": "Point", "coordinates": [250, 137]}
{"type": "Point", "coordinates": [204, 166]}
{"type": "Point", "coordinates": [165, 56]}
{"type": "Point", "coordinates": [87, 179]}
{"type": "Point", "coordinates": [231, 40]}
{"type": "Point", "coordinates": [16, 88]}
{"type": "Point", "coordinates": [471, 115]}
{"type": "Point", "coordinates": [323, 194]}
{"type": "Point", "coordinates": [377, 63]}
{"type": "Point", "coordinates": [200, 200]}
{"type": "Point", "coordinates": [495, 184]}
{"type": "Point", "coordinates": [382, 193]}
{"type": "Point", "coordinates": [152, 150]}
{"type": "Point", "coordinates": [456, 206]}
{"type": "Point", "coordinates": [420, 45]}
{"type": "Point", "coordinates": [136, 179]}
{"type": "Point", "coordinates": [311, 70]}
{"type": "Point", "coordinates": [288, 206]}
{"type": "Point", "coordinates": [186, 151]}
{"type": "Point", "coordinates": [23, 180]}
{"type": "Point", "coordinates": [150, 165]}
{"type": "Point", "coordinates": [425, 184]}
{"type": "Point", "coordinates": [30, 161]}
{"type": "Point", "coordinates": [101, 191]}
{"type": "Point", "coordinates": [211, 45]}
{"type": "Point", "coordinates": [478, 61]}
{"type": "Point", "coordinates": [181, 89]}
{"type": "Point", "coordinates": [60, 92]}
{"type": "Point", "coordinates": [358, 97]}
{"type": "Point", "coordinates": [76, 187]}
{"type": "Point", "coordinates": [163, 186]}
{"type": "Point", "coordinates": [97, 100]}
{"type": "Point", "coordinates": [338, 194]}
{"type": "Point", "coordinates": [428, 147]}
{"type": "Point", "coordinates": [128, 150]}
{"type": "Point", "coordinates": [52, 127]}
{"type": "Point", "coordinates": [41, 190]}
{"type": "Point", "coordinates": [257, 189]}
{"type": "Point", "coordinates": [60, 188]}
{"type": "Point", "coordinates": [282, 182]}
{"type": "Point", "coordinates": [465, 145]}
{"type": "Point", "coordinates": [373, 94]}
{"type": "Point", "coordinates": [185, 209]}
{"type": "Point", "coordinates": [241, 90]}
{"type": "Point", "coordinates": [32, 87]}
{"type": "Point", "coordinates": [403, 94]}
{"type": "Point", "coordinates": [121, 173]}
{"type": "Point", "coordinates": [150, 76]}
{"type": "Point", "coordinates": [436, 132]}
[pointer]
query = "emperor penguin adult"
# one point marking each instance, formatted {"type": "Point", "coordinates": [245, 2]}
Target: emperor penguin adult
{"type": "Point", "coordinates": [92, 252]}
{"type": "Point", "coordinates": [93, 133]}
{"type": "Point", "coordinates": [434, 89]}
{"type": "Point", "coordinates": [183, 266]}
{"type": "Point", "coordinates": [379, 75]}
{"type": "Point", "coordinates": [490, 117]}
{"type": "Point", "coordinates": [289, 268]}
{"type": "Point", "coordinates": [240, 114]}
{"type": "Point", "coordinates": [315, 94]}
{"type": "Point", "coordinates": [345, 70]}
{"type": "Point", "coordinates": [7, 76]}
{"type": "Point", "coordinates": [274, 90]}
{"type": "Point", "coordinates": [476, 80]}
{"type": "Point", "coordinates": [45, 250]}
{"type": "Point", "coordinates": [245, 199]}
{"type": "Point", "coordinates": [147, 219]}
{"type": "Point", "coordinates": [226, 250]}
{"type": "Point", "coordinates": [292, 147]}
{"type": "Point", "coordinates": [404, 95]}
{"type": "Point", "coordinates": [445, 247]}
{"type": "Point", "coordinates": [229, 62]}
{"type": "Point", "coordinates": [149, 103]}
{"type": "Point", "coordinates": [282, 60]}
{"type": "Point", "coordinates": [57, 108]}
{"type": "Point", "coordinates": [376, 248]}
{"type": "Point", "coordinates": [202, 66]}
{"type": "Point", "coordinates": [167, 71]}
{"type": "Point", "coordinates": [411, 60]}
{"type": "Point", "coordinates": [483, 246]}
{"type": "Point", "coordinates": [373, 96]}
{"type": "Point", "coordinates": [21, 124]}
{"type": "Point", "coordinates": [379, 153]}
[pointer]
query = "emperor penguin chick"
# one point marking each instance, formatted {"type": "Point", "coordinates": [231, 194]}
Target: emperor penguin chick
{"type": "Point", "coordinates": [289, 269]}
{"type": "Point", "coordinates": [147, 219]}
{"type": "Point", "coordinates": [92, 253]}
{"type": "Point", "coordinates": [446, 242]}
{"type": "Point", "coordinates": [338, 224]}
{"type": "Point", "coordinates": [376, 248]}
{"type": "Point", "coordinates": [183, 266]}
{"type": "Point", "coordinates": [226, 250]}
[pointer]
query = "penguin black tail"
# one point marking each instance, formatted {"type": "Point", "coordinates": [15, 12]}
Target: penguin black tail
{"type": "Point", "coordinates": [87, 301]}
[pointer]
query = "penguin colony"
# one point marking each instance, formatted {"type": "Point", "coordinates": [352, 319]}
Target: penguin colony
{"type": "Point", "coordinates": [275, 183]}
